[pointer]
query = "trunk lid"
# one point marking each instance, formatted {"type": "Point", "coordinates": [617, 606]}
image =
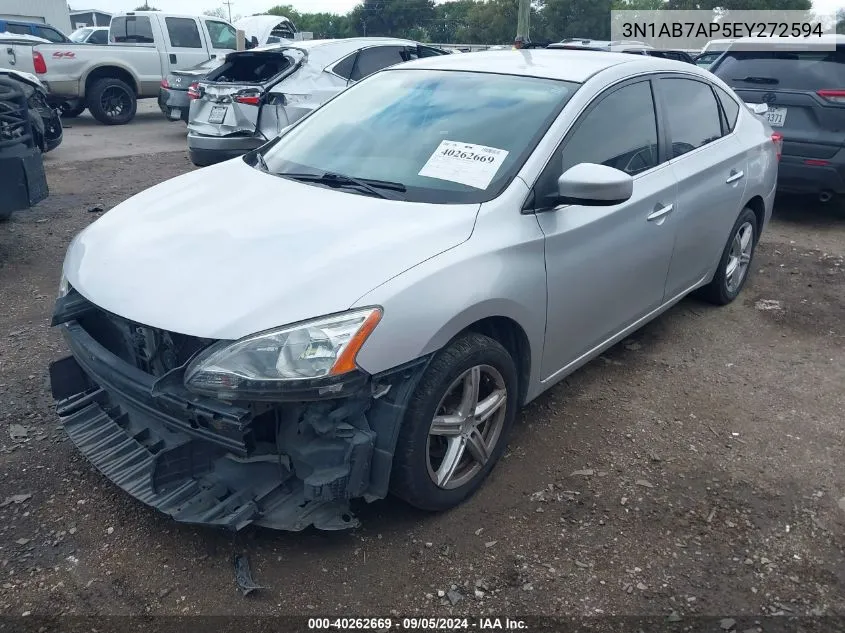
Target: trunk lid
{"type": "Point", "coordinates": [231, 96]}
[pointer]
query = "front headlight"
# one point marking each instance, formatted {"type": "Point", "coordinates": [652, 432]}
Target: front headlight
{"type": "Point", "coordinates": [262, 366]}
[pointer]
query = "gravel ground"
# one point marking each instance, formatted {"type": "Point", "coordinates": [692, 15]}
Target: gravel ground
{"type": "Point", "coordinates": [694, 469]}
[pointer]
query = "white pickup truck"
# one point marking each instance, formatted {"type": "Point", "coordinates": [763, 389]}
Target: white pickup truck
{"type": "Point", "coordinates": [144, 46]}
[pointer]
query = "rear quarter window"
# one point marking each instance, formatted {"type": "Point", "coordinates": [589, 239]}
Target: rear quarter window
{"type": "Point", "coordinates": [729, 106]}
{"type": "Point", "coordinates": [783, 70]}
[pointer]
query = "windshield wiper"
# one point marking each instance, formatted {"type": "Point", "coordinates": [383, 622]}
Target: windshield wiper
{"type": "Point", "coordinates": [369, 185]}
{"type": "Point", "coordinates": [758, 80]}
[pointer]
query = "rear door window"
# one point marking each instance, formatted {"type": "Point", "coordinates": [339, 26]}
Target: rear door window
{"type": "Point", "coordinates": [371, 60]}
{"type": "Point", "coordinates": [49, 34]}
{"type": "Point", "coordinates": [783, 70]}
{"type": "Point", "coordinates": [132, 29]}
{"type": "Point", "coordinates": [183, 32]}
{"type": "Point", "coordinates": [18, 29]}
{"type": "Point", "coordinates": [692, 113]}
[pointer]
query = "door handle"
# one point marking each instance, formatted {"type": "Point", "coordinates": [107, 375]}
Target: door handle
{"type": "Point", "coordinates": [172, 58]}
{"type": "Point", "coordinates": [659, 212]}
{"type": "Point", "coordinates": [735, 175]}
{"type": "Point", "coordinates": [13, 59]}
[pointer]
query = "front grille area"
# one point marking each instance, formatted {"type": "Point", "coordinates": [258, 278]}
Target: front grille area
{"type": "Point", "coordinates": [151, 350]}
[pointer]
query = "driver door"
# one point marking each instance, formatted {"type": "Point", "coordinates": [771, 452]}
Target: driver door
{"type": "Point", "coordinates": [606, 266]}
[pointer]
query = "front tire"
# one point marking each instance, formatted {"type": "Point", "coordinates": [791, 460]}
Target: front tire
{"type": "Point", "coordinates": [456, 425]}
{"type": "Point", "coordinates": [735, 263]}
{"type": "Point", "coordinates": [111, 101]}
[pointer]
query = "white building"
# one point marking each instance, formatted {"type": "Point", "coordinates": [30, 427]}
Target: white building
{"type": "Point", "coordinates": [52, 12]}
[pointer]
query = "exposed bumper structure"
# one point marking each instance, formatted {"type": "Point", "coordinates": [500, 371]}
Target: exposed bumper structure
{"type": "Point", "coordinates": [205, 461]}
{"type": "Point", "coordinates": [208, 150]}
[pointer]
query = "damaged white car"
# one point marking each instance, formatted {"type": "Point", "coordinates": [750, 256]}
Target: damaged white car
{"type": "Point", "coordinates": [255, 94]}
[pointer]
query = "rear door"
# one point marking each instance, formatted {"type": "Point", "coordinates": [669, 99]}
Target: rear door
{"type": "Point", "coordinates": [709, 165]}
{"type": "Point", "coordinates": [805, 92]}
{"type": "Point", "coordinates": [185, 46]}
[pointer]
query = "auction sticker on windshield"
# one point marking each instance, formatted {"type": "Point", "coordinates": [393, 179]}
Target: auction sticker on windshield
{"type": "Point", "coordinates": [465, 163]}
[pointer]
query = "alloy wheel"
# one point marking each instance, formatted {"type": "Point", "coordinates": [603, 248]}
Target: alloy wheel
{"type": "Point", "coordinates": [466, 427]}
{"type": "Point", "coordinates": [739, 257]}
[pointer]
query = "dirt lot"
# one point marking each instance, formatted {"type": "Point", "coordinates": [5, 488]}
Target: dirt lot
{"type": "Point", "coordinates": [696, 468]}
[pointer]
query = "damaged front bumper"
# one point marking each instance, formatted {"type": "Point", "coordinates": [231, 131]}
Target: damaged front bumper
{"type": "Point", "coordinates": [204, 461]}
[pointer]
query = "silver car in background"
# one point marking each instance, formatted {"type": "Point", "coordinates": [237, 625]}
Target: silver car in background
{"type": "Point", "coordinates": [255, 94]}
{"type": "Point", "coordinates": [363, 304]}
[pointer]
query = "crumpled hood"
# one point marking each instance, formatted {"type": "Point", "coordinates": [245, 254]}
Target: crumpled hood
{"type": "Point", "coordinates": [226, 251]}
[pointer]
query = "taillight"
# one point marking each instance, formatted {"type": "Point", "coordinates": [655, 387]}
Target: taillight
{"type": "Point", "coordinates": [834, 96]}
{"type": "Point", "coordinates": [165, 83]}
{"type": "Point", "coordinates": [248, 99]}
{"type": "Point", "coordinates": [777, 139]}
{"type": "Point", "coordinates": [39, 63]}
{"type": "Point", "coordinates": [194, 90]}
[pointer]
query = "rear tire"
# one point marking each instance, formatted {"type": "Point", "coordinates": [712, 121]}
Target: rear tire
{"type": "Point", "coordinates": [111, 101]}
{"type": "Point", "coordinates": [735, 263]}
{"type": "Point", "coordinates": [472, 428]}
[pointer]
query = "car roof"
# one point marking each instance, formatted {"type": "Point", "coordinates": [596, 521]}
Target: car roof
{"type": "Point", "coordinates": [323, 53]}
{"type": "Point", "coordinates": [562, 64]}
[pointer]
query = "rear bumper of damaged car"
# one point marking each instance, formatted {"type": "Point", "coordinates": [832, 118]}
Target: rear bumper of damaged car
{"type": "Point", "coordinates": [214, 149]}
{"type": "Point", "coordinates": [205, 461]}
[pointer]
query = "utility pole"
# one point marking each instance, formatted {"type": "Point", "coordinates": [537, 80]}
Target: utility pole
{"type": "Point", "coordinates": [523, 17]}
{"type": "Point", "coordinates": [228, 4]}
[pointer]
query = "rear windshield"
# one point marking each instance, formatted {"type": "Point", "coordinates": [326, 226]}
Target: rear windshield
{"type": "Point", "coordinates": [132, 29]}
{"type": "Point", "coordinates": [251, 68]}
{"type": "Point", "coordinates": [787, 70]}
{"type": "Point", "coordinates": [446, 136]}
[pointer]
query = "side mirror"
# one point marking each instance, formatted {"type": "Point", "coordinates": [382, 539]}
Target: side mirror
{"type": "Point", "coordinates": [594, 185]}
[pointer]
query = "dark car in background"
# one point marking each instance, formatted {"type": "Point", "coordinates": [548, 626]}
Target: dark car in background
{"type": "Point", "coordinates": [36, 29]}
{"type": "Point", "coordinates": [174, 97]}
{"type": "Point", "coordinates": [805, 94]}
{"type": "Point", "coordinates": [679, 56]}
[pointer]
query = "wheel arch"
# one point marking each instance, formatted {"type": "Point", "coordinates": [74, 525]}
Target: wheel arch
{"type": "Point", "coordinates": [758, 206]}
{"type": "Point", "coordinates": [111, 71]}
{"type": "Point", "coordinates": [500, 320]}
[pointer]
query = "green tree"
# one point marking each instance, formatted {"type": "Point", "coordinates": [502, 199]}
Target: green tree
{"type": "Point", "coordinates": [840, 21]}
{"type": "Point", "coordinates": [146, 7]}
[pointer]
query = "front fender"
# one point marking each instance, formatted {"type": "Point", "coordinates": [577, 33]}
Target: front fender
{"type": "Point", "coordinates": [499, 272]}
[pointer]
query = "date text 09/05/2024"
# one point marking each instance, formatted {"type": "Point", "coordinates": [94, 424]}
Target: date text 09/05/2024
{"type": "Point", "coordinates": [416, 624]}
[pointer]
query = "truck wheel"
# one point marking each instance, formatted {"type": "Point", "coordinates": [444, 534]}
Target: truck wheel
{"type": "Point", "coordinates": [111, 101]}
{"type": "Point", "coordinates": [70, 111]}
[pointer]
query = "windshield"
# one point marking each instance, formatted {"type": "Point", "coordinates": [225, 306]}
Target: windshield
{"type": "Point", "coordinates": [80, 35]}
{"type": "Point", "coordinates": [445, 136]}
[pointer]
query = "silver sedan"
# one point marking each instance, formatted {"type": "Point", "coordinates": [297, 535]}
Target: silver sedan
{"type": "Point", "coordinates": [363, 304]}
